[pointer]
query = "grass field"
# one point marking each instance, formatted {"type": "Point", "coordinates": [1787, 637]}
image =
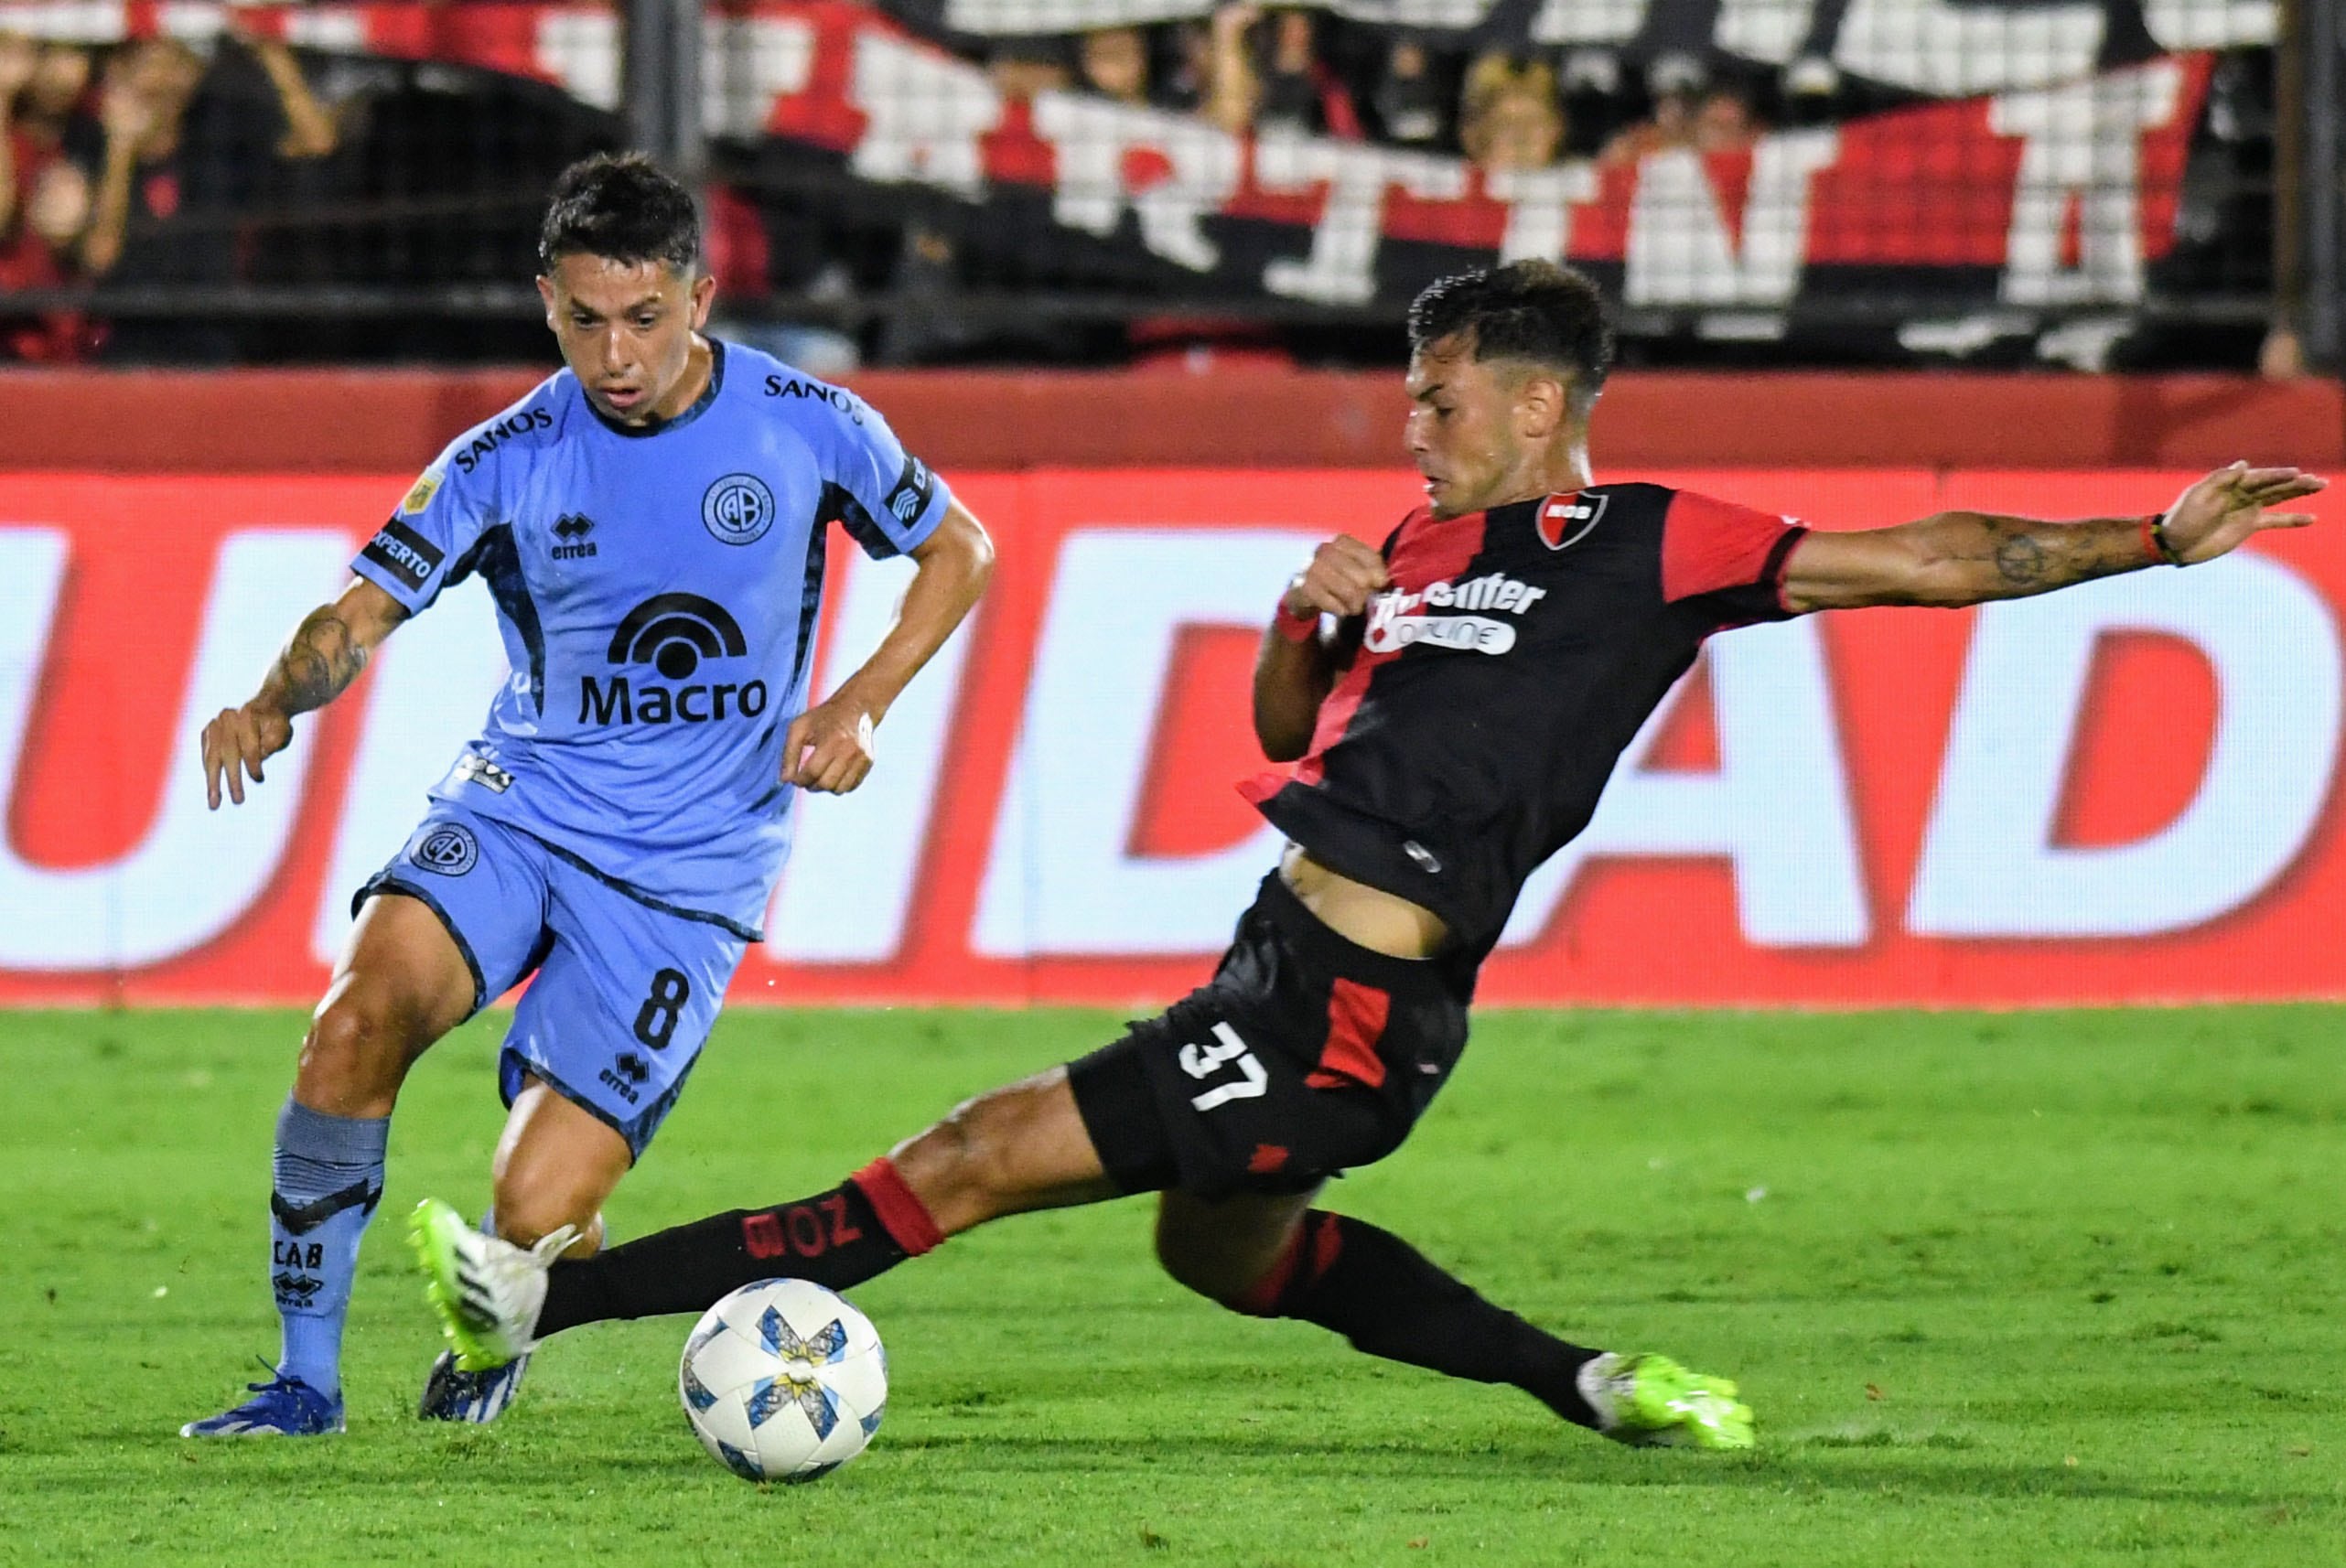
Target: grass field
{"type": "Point", "coordinates": [2060, 1288]}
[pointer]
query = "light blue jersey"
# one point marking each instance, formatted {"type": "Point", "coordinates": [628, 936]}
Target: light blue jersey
{"type": "Point", "coordinates": [658, 593]}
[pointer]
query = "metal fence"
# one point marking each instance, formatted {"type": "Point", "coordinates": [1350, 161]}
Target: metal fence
{"type": "Point", "coordinates": [2098, 183]}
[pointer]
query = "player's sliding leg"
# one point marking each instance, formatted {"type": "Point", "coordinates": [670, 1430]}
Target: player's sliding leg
{"type": "Point", "coordinates": [1019, 1148]}
{"type": "Point", "coordinates": [1030, 1147]}
{"type": "Point", "coordinates": [555, 1166]}
{"type": "Point", "coordinates": [402, 983]}
{"type": "Point", "coordinates": [1276, 1256]}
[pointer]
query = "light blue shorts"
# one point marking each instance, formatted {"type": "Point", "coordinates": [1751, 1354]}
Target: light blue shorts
{"type": "Point", "coordinates": [626, 992]}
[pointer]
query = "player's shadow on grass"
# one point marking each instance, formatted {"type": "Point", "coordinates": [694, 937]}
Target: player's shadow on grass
{"type": "Point", "coordinates": [1573, 1460]}
{"type": "Point", "coordinates": [1578, 1460]}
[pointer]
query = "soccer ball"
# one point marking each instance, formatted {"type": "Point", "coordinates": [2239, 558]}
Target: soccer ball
{"type": "Point", "coordinates": [783, 1381]}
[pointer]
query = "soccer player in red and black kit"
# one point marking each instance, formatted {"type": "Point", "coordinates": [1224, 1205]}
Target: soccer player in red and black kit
{"type": "Point", "coordinates": [1454, 703]}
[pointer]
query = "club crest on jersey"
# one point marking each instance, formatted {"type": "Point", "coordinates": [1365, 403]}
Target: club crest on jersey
{"type": "Point", "coordinates": [449, 849]}
{"type": "Point", "coordinates": [737, 509]}
{"type": "Point", "coordinates": [1565, 521]}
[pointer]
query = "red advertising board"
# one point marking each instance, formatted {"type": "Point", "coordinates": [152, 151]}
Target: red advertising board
{"type": "Point", "coordinates": [2125, 791]}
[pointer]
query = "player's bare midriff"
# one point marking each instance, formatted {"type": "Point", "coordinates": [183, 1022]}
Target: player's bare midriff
{"type": "Point", "coordinates": [1378, 920]}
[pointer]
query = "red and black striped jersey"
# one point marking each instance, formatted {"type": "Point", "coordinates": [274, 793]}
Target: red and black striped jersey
{"type": "Point", "coordinates": [1491, 689]}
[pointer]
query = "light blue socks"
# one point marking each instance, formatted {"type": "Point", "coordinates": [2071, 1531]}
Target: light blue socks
{"type": "Point", "coordinates": [329, 1179]}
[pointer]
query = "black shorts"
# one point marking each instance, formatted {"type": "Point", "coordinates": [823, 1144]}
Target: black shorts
{"type": "Point", "coordinates": [1305, 1055]}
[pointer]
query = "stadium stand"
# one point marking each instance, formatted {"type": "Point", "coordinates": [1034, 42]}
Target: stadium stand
{"type": "Point", "coordinates": [1096, 182]}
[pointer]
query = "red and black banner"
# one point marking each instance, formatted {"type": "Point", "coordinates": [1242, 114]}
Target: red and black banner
{"type": "Point", "coordinates": [2059, 195]}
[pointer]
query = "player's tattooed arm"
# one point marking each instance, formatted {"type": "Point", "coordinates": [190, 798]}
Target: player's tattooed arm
{"type": "Point", "coordinates": [1967, 558]}
{"type": "Point", "coordinates": [324, 654]}
{"type": "Point", "coordinates": [320, 658]}
{"type": "Point", "coordinates": [1295, 667]}
{"type": "Point", "coordinates": [2018, 556]}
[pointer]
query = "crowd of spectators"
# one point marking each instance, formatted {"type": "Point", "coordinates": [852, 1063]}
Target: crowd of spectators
{"type": "Point", "coordinates": [1249, 69]}
{"type": "Point", "coordinates": [133, 165]}
{"type": "Point", "coordinates": [142, 183]}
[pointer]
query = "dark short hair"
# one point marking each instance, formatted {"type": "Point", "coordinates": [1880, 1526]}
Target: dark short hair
{"type": "Point", "coordinates": [624, 207]}
{"type": "Point", "coordinates": [1532, 310]}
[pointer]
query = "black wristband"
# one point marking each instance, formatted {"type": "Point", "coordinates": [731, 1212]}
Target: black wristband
{"type": "Point", "coordinates": [2154, 533]}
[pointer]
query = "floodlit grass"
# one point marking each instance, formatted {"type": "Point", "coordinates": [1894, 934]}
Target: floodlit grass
{"type": "Point", "coordinates": [2057, 1288]}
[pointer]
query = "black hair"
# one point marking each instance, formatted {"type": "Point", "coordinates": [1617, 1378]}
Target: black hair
{"type": "Point", "coordinates": [624, 207]}
{"type": "Point", "coordinates": [1534, 310]}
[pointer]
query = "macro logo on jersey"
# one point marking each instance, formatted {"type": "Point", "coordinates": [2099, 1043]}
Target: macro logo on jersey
{"type": "Point", "coordinates": [675, 634]}
{"type": "Point", "coordinates": [449, 849]}
{"type": "Point", "coordinates": [1395, 623]}
{"type": "Point", "coordinates": [572, 528]}
{"type": "Point", "coordinates": [738, 509]}
{"type": "Point", "coordinates": [914, 487]}
{"type": "Point", "coordinates": [404, 553]}
{"type": "Point", "coordinates": [1565, 521]}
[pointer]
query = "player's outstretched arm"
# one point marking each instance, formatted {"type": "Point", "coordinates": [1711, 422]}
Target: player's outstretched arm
{"type": "Point", "coordinates": [1294, 668]}
{"type": "Point", "coordinates": [1967, 558]}
{"type": "Point", "coordinates": [324, 655]}
{"type": "Point", "coordinates": [829, 747]}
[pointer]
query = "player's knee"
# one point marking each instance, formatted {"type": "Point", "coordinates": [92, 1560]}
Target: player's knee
{"type": "Point", "coordinates": [358, 1041]}
{"type": "Point", "coordinates": [1204, 1267]}
{"type": "Point", "coordinates": [965, 1162]}
{"type": "Point", "coordinates": [1188, 1269]}
{"type": "Point", "coordinates": [527, 1214]}
{"type": "Point", "coordinates": [974, 1139]}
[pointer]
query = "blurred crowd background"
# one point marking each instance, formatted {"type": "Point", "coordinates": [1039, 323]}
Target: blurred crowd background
{"type": "Point", "coordinates": [232, 198]}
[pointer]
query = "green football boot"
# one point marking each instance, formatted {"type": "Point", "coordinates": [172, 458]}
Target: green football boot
{"type": "Point", "coordinates": [1650, 1400]}
{"type": "Point", "coordinates": [485, 1291]}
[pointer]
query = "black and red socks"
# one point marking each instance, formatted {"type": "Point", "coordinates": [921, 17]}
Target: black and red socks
{"type": "Point", "coordinates": [1382, 1294]}
{"type": "Point", "coordinates": [860, 1229]}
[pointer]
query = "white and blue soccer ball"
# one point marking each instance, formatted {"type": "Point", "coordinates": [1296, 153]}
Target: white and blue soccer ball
{"type": "Point", "coordinates": [783, 1381]}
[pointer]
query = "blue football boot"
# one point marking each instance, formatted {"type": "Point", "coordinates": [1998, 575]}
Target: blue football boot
{"type": "Point", "coordinates": [451, 1393]}
{"type": "Point", "coordinates": [281, 1407]}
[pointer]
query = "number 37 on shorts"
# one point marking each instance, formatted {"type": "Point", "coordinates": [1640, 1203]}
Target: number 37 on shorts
{"type": "Point", "coordinates": [1231, 1059]}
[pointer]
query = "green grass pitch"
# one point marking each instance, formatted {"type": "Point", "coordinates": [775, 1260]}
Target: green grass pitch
{"type": "Point", "coordinates": [2052, 1288]}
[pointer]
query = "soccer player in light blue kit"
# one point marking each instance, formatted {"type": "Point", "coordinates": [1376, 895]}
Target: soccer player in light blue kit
{"type": "Point", "coordinates": [652, 523]}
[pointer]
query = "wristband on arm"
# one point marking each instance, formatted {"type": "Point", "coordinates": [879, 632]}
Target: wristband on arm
{"type": "Point", "coordinates": [1295, 626]}
{"type": "Point", "coordinates": [2155, 543]}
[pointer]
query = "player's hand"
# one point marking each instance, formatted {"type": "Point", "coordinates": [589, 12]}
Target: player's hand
{"type": "Point", "coordinates": [18, 56]}
{"type": "Point", "coordinates": [828, 748]}
{"type": "Point", "coordinates": [1344, 574]}
{"type": "Point", "coordinates": [125, 113]}
{"type": "Point", "coordinates": [1232, 19]}
{"type": "Point", "coordinates": [236, 743]}
{"type": "Point", "coordinates": [2216, 515]}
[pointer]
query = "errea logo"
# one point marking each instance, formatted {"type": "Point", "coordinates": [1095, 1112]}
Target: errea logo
{"type": "Point", "coordinates": [675, 634]}
{"type": "Point", "coordinates": [572, 528]}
